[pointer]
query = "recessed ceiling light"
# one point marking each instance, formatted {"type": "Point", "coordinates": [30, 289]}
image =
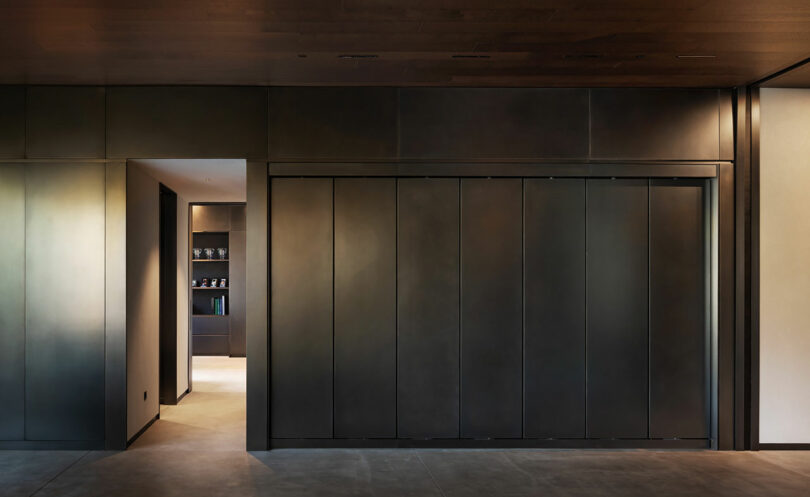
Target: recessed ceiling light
{"type": "Point", "coordinates": [583, 56]}
{"type": "Point", "coordinates": [696, 56]}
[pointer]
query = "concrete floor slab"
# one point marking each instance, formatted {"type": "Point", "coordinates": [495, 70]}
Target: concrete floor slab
{"type": "Point", "coordinates": [197, 449]}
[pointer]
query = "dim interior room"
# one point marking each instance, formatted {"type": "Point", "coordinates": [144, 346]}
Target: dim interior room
{"type": "Point", "coordinates": [185, 299]}
{"type": "Point", "coordinates": [442, 248]}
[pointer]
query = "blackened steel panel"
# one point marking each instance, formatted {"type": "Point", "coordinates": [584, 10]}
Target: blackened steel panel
{"type": "Point", "coordinates": [65, 301]}
{"type": "Point", "coordinates": [332, 123]}
{"type": "Point", "coordinates": [678, 366]}
{"type": "Point", "coordinates": [491, 308]}
{"type": "Point", "coordinates": [645, 123]}
{"type": "Point", "coordinates": [12, 302]}
{"type": "Point", "coordinates": [187, 121]}
{"type": "Point", "coordinates": [428, 308]}
{"type": "Point", "coordinates": [493, 123]}
{"type": "Point", "coordinates": [365, 308]}
{"type": "Point", "coordinates": [554, 282]}
{"type": "Point", "coordinates": [12, 122]}
{"type": "Point", "coordinates": [301, 308]}
{"type": "Point", "coordinates": [617, 308]}
{"type": "Point", "coordinates": [65, 121]}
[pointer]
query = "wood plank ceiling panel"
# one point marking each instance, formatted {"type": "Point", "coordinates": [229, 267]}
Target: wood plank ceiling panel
{"type": "Point", "coordinates": [429, 43]}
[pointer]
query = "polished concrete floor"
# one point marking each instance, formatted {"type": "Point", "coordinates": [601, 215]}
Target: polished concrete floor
{"type": "Point", "coordinates": [196, 449]}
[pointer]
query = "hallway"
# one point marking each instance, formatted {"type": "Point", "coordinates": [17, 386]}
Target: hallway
{"type": "Point", "coordinates": [211, 417]}
{"type": "Point", "coordinates": [196, 448]}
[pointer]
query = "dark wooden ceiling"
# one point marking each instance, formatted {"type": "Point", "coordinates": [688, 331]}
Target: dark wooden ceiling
{"type": "Point", "coordinates": [416, 42]}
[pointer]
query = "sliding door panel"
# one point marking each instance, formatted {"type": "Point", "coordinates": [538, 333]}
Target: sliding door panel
{"type": "Point", "coordinates": [365, 308]}
{"type": "Point", "coordinates": [64, 299]}
{"type": "Point", "coordinates": [554, 282]}
{"type": "Point", "coordinates": [678, 381]}
{"type": "Point", "coordinates": [301, 308]}
{"type": "Point", "coordinates": [617, 272]}
{"type": "Point", "coordinates": [12, 302]}
{"type": "Point", "coordinates": [428, 308]}
{"type": "Point", "coordinates": [491, 296]}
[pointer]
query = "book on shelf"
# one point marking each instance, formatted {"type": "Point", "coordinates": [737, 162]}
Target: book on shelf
{"type": "Point", "coordinates": [218, 305]}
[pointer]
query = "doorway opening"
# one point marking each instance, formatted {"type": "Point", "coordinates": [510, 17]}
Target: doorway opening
{"type": "Point", "coordinates": [186, 235]}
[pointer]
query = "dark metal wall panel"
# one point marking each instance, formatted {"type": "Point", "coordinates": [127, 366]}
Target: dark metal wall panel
{"type": "Point", "coordinates": [196, 122]}
{"type": "Point", "coordinates": [725, 307]}
{"type": "Point", "coordinates": [726, 116]}
{"type": "Point", "coordinates": [678, 124]}
{"type": "Point", "coordinates": [678, 397]}
{"type": "Point", "coordinates": [237, 272]}
{"type": "Point", "coordinates": [64, 296]}
{"type": "Point", "coordinates": [428, 308]}
{"type": "Point", "coordinates": [365, 307]}
{"type": "Point", "coordinates": [257, 326]}
{"type": "Point", "coordinates": [491, 308]}
{"type": "Point", "coordinates": [333, 123]}
{"type": "Point", "coordinates": [12, 302]}
{"type": "Point", "coordinates": [204, 325]}
{"type": "Point", "coordinates": [617, 296]}
{"type": "Point", "coordinates": [12, 122]}
{"type": "Point", "coordinates": [301, 308]}
{"type": "Point", "coordinates": [210, 345]}
{"type": "Point", "coordinates": [493, 123]}
{"type": "Point", "coordinates": [65, 121]}
{"type": "Point", "coordinates": [512, 169]}
{"type": "Point", "coordinates": [554, 308]}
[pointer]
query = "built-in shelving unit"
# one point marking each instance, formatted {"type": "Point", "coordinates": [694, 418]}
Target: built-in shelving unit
{"type": "Point", "coordinates": [211, 300]}
{"type": "Point", "coordinates": [217, 329]}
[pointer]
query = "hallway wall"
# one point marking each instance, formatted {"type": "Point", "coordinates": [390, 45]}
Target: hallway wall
{"type": "Point", "coordinates": [183, 297]}
{"type": "Point", "coordinates": [143, 299]}
{"type": "Point", "coordinates": [412, 127]}
{"type": "Point", "coordinates": [784, 239]}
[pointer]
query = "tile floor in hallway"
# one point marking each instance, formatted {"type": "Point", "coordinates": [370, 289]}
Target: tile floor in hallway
{"type": "Point", "coordinates": [196, 449]}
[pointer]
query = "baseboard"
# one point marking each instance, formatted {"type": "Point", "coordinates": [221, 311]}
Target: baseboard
{"type": "Point", "coordinates": [788, 446]}
{"type": "Point", "coordinates": [143, 430]}
{"type": "Point", "coordinates": [298, 443]}
{"type": "Point", "coordinates": [51, 444]}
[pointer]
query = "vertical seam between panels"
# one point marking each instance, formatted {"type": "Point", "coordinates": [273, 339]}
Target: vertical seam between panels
{"type": "Point", "coordinates": [587, 181]}
{"type": "Point", "coordinates": [523, 307]}
{"type": "Point", "coordinates": [460, 308]}
{"type": "Point", "coordinates": [396, 307]}
{"type": "Point", "coordinates": [333, 306]}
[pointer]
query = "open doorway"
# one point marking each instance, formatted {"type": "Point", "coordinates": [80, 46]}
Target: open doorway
{"type": "Point", "coordinates": [186, 307]}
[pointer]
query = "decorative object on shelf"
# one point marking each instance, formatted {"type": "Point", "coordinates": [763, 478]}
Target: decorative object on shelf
{"type": "Point", "coordinates": [223, 253]}
{"type": "Point", "coordinates": [197, 253]}
{"type": "Point", "coordinates": [223, 282]}
{"type": "Point", "coordinates": [204, 283]}
{"type": "Point", "coordinates": [214, 282]}
{"type": "Point", "coordinates": [209, 253]}
{"type": "Point", "coordinates": [193, 283]}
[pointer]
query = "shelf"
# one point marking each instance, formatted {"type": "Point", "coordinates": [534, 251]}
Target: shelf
{"type": "Point", "coordinates": [210, 288]}
{"type": "Point", "coordinates": [210, 260]}
{"type": "Point", "coordinates": [209, 315]}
